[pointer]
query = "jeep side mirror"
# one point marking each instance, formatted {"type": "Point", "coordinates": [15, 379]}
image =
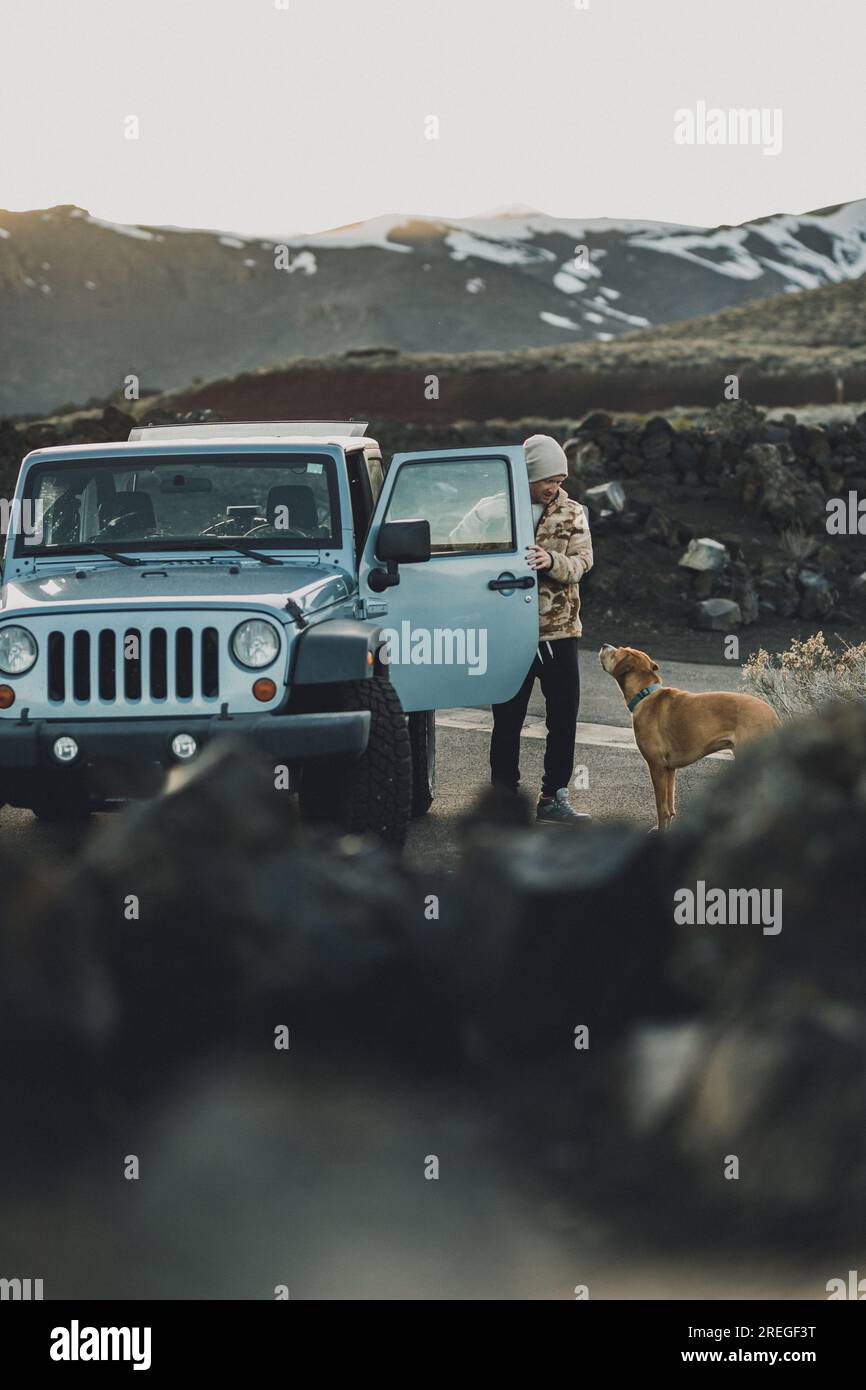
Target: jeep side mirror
{"type": "Point", "coordinates": [404, 542]}
{"type": "Point", "coordinates": [399, 543]}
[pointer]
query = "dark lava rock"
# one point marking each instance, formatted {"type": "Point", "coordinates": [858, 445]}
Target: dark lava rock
{"type": "Point", "coordinates": [716, 615]}
{"type": "Point", "coordinates": [596, 422]}
{"type": "Point", "coordinates": [817, 594]}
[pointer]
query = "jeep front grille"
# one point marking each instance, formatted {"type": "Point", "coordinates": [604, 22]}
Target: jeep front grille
{"type": "Point", "coordinates": [125, 665]}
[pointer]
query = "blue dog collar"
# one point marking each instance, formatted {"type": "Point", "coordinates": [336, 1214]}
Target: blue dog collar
{"type": "Point", "coordinates": [635, 700]}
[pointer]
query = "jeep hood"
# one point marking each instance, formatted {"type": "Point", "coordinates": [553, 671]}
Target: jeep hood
{"type": "Point", "coordinates": [199, 584]}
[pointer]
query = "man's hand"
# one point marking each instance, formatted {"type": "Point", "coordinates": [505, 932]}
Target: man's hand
{"type": "Point", "coordinates": [538, 558]}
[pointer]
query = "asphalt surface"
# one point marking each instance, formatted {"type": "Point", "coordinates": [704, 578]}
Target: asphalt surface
{"type": "Point", "coordinates": [618, 784]}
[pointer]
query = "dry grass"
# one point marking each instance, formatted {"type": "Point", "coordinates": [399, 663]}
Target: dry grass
{"type": "Point", "coordinates": [797, 545]}
{"type": "Point", "coordinates": [808, 676]}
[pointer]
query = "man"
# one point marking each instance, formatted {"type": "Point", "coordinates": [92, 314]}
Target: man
{"type": "Point", "coordinates": [561, 556]}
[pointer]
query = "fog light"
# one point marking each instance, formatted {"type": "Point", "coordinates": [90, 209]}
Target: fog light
{"type": "Point", "coordinates": [65, 749]}
{"type": "Point", "coordinates": [184, 746]}
{"type": "Point", "coordinates": [264, 689]}
{"type": "Point", "coordinates": [7, 696]}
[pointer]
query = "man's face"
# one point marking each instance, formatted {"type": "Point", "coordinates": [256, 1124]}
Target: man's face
{"type": "Point", "coordinates": [545, 489]}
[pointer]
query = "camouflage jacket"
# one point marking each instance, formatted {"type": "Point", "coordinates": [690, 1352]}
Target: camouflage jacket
{"type": "Point", "coordinates": [563, 530]}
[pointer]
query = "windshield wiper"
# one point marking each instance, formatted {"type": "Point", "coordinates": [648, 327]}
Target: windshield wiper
{"type": "Point", "coordinates": [222, 543]}
{"type": "Point", "coordinates": [90, 549]}
{"type": "Point", "coordinates": [198, 543]}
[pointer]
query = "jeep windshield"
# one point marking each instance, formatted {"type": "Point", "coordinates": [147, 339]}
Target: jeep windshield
{"type": "Point", "coordinates": [240, 501]}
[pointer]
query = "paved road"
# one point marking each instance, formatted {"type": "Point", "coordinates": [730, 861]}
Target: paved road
{"type": "Point", "coordinates": [618, 783]}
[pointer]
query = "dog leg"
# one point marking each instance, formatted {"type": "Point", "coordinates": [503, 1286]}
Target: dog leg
{"type": "Point", "coordinates": [672, 792]}
{"type": "Point", "coordinates": [659, 775]}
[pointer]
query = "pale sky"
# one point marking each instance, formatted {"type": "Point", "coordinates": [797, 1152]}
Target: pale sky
{"type": "Point", "coordinates": [269, 120]}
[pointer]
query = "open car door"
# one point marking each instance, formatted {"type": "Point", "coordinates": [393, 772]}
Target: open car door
{"type": "Point", "coordinates": [462, 627]}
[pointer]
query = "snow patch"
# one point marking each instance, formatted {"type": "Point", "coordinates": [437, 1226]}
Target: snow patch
{"type": "Point", "coordinates": [801, 279]}
{"type": "Point", "coordinates": [304, 261]}
{"type": "Point", "coordinates": [739, 264]}
{"type": "Point", "coordinates": [463, 244]}
{"type": "Point", "coordinates": [604, 308]}
{"type": "Point", "coordinates": [569, 284]}
{"type": "Point", "coordinates": [137, 232]}
{"type": "Point", "coordinates": [557, 321]}
{"type": "Point", "coordinates": [786, 254]}
{"type": "Point", "coordinates": [846, 230]}
{"type": "Point", "coordinates": [3, 233]}
{"type": "Point", "coordinates": [233, 242]}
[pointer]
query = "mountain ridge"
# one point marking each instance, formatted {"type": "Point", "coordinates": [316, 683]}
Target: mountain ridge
{"type": "Point", "coordinates": [85, 302]}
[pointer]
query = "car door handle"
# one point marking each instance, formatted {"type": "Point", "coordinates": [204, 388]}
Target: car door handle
{"type": "Point", "coordinates": [508, 581]}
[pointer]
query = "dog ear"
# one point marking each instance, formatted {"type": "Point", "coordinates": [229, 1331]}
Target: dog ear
{"type": "Point", "coordinates": [623, 666]}
{"type": "Point", "coordinates": [655, 667]}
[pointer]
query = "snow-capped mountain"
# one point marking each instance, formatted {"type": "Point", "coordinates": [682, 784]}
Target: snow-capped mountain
{"type": "Point", "coordinates": [84, 303]}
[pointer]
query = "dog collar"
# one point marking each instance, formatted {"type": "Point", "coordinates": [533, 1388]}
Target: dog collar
{"type": "Point", "coordinates": [635, 700]}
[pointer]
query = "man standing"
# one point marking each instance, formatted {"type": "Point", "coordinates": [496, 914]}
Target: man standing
{"type": "Point", "coordinates": [561, 555]}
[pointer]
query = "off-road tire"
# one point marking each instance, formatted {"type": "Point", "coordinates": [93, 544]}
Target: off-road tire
{"type": "Point", "coordinates": [422, 741]}
{"type": "Point", "coordinates": [371, 795]}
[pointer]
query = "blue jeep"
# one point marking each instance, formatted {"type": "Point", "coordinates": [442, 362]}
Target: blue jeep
{"type": "Point", "coordinates": [270, 580]}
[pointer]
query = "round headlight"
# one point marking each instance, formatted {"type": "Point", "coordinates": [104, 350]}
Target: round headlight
{"type": "Point", "coordinates": [255, 643]}
{"type": "Point", "coordinates": [17, 650]}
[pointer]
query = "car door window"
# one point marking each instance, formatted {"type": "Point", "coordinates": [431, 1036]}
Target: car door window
{"type": "Point", "coordinates": [469, 504]}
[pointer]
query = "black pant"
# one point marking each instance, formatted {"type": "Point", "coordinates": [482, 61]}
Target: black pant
{"type": "Point", "coordinates": [555, 665]}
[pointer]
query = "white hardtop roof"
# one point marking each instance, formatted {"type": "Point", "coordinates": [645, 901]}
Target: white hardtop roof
{"type": "Point", "coordinates": [346, 433]}
{"type": "Point", "coordinates": [108, 448]}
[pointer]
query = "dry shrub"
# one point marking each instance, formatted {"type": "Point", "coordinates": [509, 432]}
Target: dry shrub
{"type": "Point", "coordinates": [797, 545]}
{"type": "Point", "coordinates": [809, 675]}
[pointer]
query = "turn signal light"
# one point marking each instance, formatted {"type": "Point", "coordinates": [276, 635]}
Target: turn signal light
{"type": "Point", "coordinates": [264, 689]}
{"type": "Point", "coordinates": [7, 696]}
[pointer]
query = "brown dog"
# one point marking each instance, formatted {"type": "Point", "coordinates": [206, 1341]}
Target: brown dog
{"type": "Point", "coordinates": [673, 728]}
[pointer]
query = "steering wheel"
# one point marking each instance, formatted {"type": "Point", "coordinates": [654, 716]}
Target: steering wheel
{"type": "Point", "coordinates": [226, 526]}
{"type": "Point", "coordinates": [265, 528]}
{"type": "Point", "coordinates": [116, 528]}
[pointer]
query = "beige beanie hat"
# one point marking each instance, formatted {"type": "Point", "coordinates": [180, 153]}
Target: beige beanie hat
{"type": "Point", "coordinates": [544, 458]}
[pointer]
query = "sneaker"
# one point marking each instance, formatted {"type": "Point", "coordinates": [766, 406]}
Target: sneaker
{"type": "Point", "coordinates": [558, 809]}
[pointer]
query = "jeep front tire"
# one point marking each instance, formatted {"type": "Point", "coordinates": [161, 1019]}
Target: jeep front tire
{"type": "Point", "coordinates": [372, 794]}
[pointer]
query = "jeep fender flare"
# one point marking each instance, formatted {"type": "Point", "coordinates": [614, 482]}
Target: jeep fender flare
{"type": "Point", "coordinates": [342, 649]}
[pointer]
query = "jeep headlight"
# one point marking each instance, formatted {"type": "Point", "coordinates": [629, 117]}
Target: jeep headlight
{"type": "Point", "coordinates": [17, 651]}
{"type": "Point", "coordinates": [255, 643]}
